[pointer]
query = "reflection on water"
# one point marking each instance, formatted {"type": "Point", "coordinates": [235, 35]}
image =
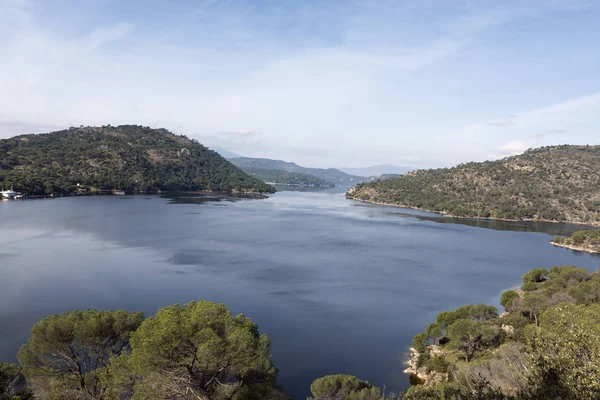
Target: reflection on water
{"type": "Point", "coordinates": [339, 286]}
{"type": "Point", "coordinates": [202, 198]}
{"type": "Point", "coordinates": [517, 226]}
{"type": "Point", "coordinates": [389, 211]}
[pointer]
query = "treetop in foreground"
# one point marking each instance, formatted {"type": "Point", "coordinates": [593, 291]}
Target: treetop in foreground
{"type": "Point", "coordinates": [202, 350]}
{"type": "Point", "coordinates": [544, 346]}
{"type": "Point", "coordinates": [195, 351]}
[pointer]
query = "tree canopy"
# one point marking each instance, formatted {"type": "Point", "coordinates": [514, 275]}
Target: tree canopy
{"type": "Point", "coordinates": [201, 350]}
{"type": "Point", "coordinates": [545, 346]}
{"type": "Point", "coordinates": [565, 353]}
{"type": "Point", "coordinates": [73, 349]}
{"type": "Point", "coordinates": [343, 387]}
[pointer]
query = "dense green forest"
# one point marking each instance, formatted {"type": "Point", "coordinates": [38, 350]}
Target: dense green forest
{"type": "Point", "coordinates": [581, 240]}
{"type": "Point", "coordinates": [546, 345]}
{"type": "Point", "coordinates": [288, 178]}
{"type": "Point", "coordinates": [557, 183]}
{"type": "Point", "coordinates": [130, 158]}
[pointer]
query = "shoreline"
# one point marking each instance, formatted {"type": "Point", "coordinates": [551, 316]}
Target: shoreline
{"type": "Point", "coordinates": [575, 248]}
{"type": "Point", "coordinates": [412, 362]}
{"type": "Point", "coordinates": [300, 185]}
{"type": "Point", "coordinates": [473, 217]}
{"type": "Point", "coordinates": [233, 193]}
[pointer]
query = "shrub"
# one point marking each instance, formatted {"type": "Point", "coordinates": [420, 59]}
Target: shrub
{"type": "Point", "coordinates": [438, 364]}
{"type": "Point", "coordinates": [507, 298]}
{"type": "Point", "coordinates": [419, 342]}
{"type": "Point", "coordinates": [340, 386]}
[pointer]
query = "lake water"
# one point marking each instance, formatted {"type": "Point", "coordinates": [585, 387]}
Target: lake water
{"type": "Point", "coordinates": [339, 286]}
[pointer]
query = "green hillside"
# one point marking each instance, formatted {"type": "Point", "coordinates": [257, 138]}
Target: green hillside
{"type": "Point", "coordinates": [130, 158]}
{"type": "Point", "coordinates": [288, 178]}
{"type": "Point", "coordinates": [331, 175]}
{"type": "Point", "coordinates": [558, 183]}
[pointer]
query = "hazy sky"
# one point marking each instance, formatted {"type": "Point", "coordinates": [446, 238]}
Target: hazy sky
{"type": "Point", "coordinates": [321, 83]}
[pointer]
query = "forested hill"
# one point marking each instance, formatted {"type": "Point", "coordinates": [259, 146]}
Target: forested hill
{"type": "Point", "coordinates": [331, 175]}
{"type": "Point", "coordinates": [556, 183]}
{"type": "Point", "coordinates": [276, 176]}
{"type": "Point", "coordinates": [128, 157]}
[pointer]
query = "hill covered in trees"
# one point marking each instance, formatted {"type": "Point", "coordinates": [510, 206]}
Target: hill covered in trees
{"type": "Point", "coordinates": [556, 183]}
{"type": "Point", "coordinates": [288, 178]}
{"type": "Point", "coordinates": [330, 175]}
{"type": "Point", "coordinates": [129, 157]}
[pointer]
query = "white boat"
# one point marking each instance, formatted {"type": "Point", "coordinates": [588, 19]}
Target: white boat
{"type": "Point", "coordinates": [8, 194]}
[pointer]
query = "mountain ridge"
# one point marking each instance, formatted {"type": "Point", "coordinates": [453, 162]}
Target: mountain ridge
{"type": "Point", "coordinates": [377, 170]}
{"type": "Point", "coordinates": [331, 175]}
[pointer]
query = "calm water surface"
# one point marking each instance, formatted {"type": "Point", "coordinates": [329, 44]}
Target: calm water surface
{"type": "Point", "coordinates": [339, 286]}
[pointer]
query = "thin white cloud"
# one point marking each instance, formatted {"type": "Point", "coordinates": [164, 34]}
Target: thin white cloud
{"type": "Point", "coordinates": [104, 35]}
{"type": "Point", "coordinates": [552, 132]}
{"type": "Point", "coordinates": [547, 125]}
{"type": "Point", "coordinates": [240, 137]}
{"type": "Point", "coordinates": [512, 148]}
{"type": "Point", "coordinates": [502, 122]}
{"type": "Point", "coordinates": [358, 88]}
{"type": "Point", "coordinates": [9, 128]}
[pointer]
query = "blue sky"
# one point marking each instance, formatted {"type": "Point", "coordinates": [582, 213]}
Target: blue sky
{"type": "Point", "coordinates": [322, 83]}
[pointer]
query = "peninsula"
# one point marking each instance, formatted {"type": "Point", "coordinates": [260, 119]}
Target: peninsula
{"type": "Point", "coordinates": [588, 241]}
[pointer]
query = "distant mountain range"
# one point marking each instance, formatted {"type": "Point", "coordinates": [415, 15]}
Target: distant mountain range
{"type": "Point", "coordinates": [329, 175]}
{"type": "Point", "coordinates": [224, 153]}
{"type": "Point", "coordinates": [340, 176]}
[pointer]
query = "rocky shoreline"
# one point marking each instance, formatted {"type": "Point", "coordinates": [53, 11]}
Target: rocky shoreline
{"type": "Point", "coordinates": [575, 248]}
{"type": "Point", "coordinates": [472, 217]}
{"type": "Point", "coordinates": [412, 362]}
{"type": "Point", "coordinates": [424, 377]}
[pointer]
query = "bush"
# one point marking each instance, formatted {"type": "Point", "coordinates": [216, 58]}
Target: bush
{"type": "Point", "coordinates": [579, 237]}
{"type": "Point", "coordinates": [419, 342]}
{"type": "Point", "coordinates": [438, 364]}
{"type": "Point", "coordinates": [529, 286]}
{"type": "Point", "coordinates": [347, 387]}
{"type": "Point", "coordinates": [422, 359]}
{"type": "Point", "coordinates": [415, 380]}
{"type": "Point", "coordinates": [507, 298]}
{"type": "Point", "coordinates": [536, 275]}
